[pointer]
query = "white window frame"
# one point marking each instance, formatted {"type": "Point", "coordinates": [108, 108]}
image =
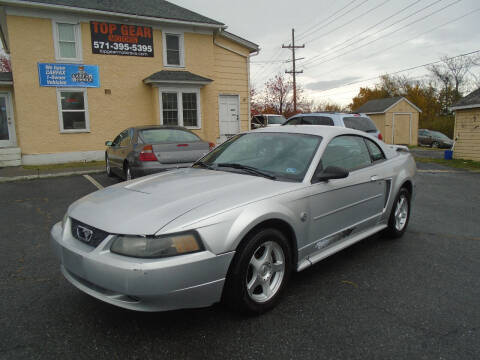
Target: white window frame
{"type": "Point", "coordinates": [179, 92]}
{"type": "Point", "coordinates": [60, 110]}
{"type": "Point", "coordinates": [78, 40]}
{"type": "Point", "coordinates": [181, 45]}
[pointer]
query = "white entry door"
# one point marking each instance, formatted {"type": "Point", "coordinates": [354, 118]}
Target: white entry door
{"type": "Point", "coordinates": [7, 127]}
{"type": "Point", "coordinates": [229, 116]}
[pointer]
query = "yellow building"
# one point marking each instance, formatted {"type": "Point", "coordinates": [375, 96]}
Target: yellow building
{"type": "Point", "coordinates": [467, 127]}
{"type": "Point", "coordinates": [396, 118]}
{"type": "Point", "coordinates": [85, 70]}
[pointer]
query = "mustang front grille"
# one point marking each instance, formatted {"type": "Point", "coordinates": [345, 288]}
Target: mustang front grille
{"type": "Point", "coordinates": [87, 234]}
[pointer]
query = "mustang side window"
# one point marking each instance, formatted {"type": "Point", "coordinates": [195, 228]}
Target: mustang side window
{"type": "Point", "coordinates": [375, 152]}
{"type": "Point", "coordinates": [348, 152]}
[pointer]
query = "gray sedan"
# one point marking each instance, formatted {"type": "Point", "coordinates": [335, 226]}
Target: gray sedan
{"type": "Point", "coordinates": [236, 224]}
{"type": "Point", "coordinates": [144, 150]}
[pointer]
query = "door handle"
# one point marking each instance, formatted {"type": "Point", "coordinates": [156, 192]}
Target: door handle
{"type": "Point", "coordinates": [374, 178]}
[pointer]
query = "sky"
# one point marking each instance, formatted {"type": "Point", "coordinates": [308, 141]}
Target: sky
{"type": "Point", "coordinates": [347, 41]}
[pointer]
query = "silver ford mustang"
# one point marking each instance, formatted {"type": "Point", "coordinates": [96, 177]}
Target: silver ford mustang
{"type": "Point", "coordinates": [237, 223]}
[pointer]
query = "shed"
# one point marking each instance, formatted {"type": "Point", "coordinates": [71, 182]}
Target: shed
{"type": "Point", "coordinates": [396, 118]}
{"type": "Point", "coordinates": [467, 127]}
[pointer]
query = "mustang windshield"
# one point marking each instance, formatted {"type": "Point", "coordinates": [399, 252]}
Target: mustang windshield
{"type": "Point", "coordinates": [280, 155]}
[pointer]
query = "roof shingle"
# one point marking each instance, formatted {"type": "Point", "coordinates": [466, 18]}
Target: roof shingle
{"type": "Point", "coordinates": [471, 99]}
{"type": "Point", "coordinates": [152, 8]}
{"type": "Point", "coordinates": [176, 76]}
{"type": "Point", "coordinates": [377, 105]}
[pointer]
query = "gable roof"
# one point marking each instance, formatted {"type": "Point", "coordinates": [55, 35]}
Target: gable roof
{"type": "Point", "coordinates": [470, 101]}
{"type": "Point", "coordinates": [176, 77]}
{"type": "Point", "coordinates": [380, 106]}
{"type": "Point", "coordinates": [159, 9]}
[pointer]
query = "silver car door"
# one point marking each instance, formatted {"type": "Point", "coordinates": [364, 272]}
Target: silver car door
{"type": "Point", "coordinates": [341, 208]}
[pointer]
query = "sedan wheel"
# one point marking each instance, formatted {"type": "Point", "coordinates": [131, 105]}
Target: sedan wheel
{"type": "Point", "coordinates": [400, 214]}
{"type": "Point", "coordinates": [435, 144]}
{"type": "Point", "coordinates": [259, 272]}
{"type": "Point", "coordinates": [108, 168]}
{"type": "Point", "coordinates": [128, 172]}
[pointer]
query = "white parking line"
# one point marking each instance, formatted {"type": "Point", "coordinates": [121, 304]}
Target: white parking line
{"type": "Point", "coordinates": [437, 171]}
{"type": "Point", "coordinates": [93, 181]}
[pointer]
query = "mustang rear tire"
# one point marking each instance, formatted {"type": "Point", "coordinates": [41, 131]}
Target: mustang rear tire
{"type": "Point", "coordinates": [259, 272]}
{"type": "Point", "coordinates": [400, 215]}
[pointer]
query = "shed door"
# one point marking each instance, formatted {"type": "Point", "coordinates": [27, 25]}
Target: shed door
{"type": "Point", "coordinates": [228, 116]}
{"type": "Point", "coordinates": [402, 129]}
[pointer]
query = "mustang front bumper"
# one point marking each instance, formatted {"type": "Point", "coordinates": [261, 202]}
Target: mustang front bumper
{"type": "Point", "coordinates": [185, 281]}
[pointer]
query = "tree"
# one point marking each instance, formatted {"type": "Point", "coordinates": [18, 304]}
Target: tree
{"type": "Point", "coordinates": [452, 76]}
{"type": "Point", "coordinates": [4, 63]}
{"type": "Point", "coordinates": [326, 105]}
{"type": "Point", "coordinates": [277, 91]}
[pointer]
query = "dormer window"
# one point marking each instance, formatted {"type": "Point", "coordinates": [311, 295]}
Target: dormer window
{"type": "Point", "coordinates": [173, 54]}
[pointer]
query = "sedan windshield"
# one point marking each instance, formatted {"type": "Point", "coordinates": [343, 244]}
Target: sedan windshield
{"type": "Point", "coordinates": [276, 119]}
{"type": "Point", "coordinates": [272, 155]}
{"type": "Point", "coordinates": [439, 135]}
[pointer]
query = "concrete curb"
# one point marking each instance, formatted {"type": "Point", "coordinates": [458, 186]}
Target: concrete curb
{"type": "Point", "coordinates": [52, 175]}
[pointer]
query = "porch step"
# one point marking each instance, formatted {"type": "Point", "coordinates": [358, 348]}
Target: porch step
{"type": "Point", "coordinates": [11, 156]}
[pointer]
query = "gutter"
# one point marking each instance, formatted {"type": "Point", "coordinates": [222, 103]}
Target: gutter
{"type": "Point", "coordinates": [464, 107]}
{"type": "Point", "coordinates": [74, 9]}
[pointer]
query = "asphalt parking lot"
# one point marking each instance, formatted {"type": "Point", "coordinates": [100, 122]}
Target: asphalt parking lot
{"type": "Point", "coordinates": [413, 298]}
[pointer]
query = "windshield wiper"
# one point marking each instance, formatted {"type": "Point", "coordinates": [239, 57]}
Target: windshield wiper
{"type": "Point", "coordinates": [249, 169]}
{"type": "Point", "coordinates": [204, 165]}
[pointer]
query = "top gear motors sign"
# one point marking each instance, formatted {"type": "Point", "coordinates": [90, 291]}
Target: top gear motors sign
{"type": "Point", "coordinates": [121, 39]}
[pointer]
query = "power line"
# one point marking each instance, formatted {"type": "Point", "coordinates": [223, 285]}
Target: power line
{"type": "Point", "coordinates": [364, 31]}
{"type": "Point", "coordinates": [348, 22]}
{"type": "Point", "coordinates": [322, 56]}
{"type": "Point", "coordinates": [416, 36]}
{"type": "Point", "coordinates": [305, 33]}
{"type": "Point", "coordinates": [390, 33]}
{"type": "Point", "coordinates": [403, 70]}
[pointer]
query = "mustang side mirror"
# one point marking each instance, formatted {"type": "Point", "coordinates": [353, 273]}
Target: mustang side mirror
{"type": "Point", "coordinates": [108, 143]}
{"type": "Point", "coordinates": [331, 172]}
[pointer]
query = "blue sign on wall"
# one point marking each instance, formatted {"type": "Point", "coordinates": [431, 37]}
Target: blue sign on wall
{"type": "Point", "coordinates": [68, 75]}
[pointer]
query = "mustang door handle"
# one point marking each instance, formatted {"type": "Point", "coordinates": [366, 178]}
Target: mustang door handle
{"type": "Point", "coordinates": [374, 178]}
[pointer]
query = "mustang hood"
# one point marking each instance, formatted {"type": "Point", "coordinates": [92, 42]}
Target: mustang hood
{"type": "Point", "coordinates": [146, 205]}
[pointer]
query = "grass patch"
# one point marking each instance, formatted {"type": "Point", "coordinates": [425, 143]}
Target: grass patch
{"type": "Point", "coordinates": [455, 163]}
{"type": "Point", "coordinates": [80, 164]}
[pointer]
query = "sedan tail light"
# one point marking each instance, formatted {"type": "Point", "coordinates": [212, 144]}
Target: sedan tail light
{"type": "Point", "coordinates": [380, 137]}
{"type": "Point", "coordinates": [147, 154]}
{"type": "Point", "coordinates": [211, 145]}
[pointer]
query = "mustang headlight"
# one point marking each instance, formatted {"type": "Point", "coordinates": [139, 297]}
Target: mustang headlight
{"type": "Point", "coordinates": [157, 246]}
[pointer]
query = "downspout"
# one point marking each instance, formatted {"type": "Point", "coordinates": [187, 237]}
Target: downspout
{"type": "Point", "coordinates": [248, 71]}
{"type": "Point", "coordinates": [249, 88]}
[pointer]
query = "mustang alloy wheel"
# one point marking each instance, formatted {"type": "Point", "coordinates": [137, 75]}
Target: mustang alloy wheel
{"type": "Point", "coordinates": [259, 272]}
{"type": "Point", "coordinates": [400, 215]}
{"type": "Point", "coordinates": [265, 272]}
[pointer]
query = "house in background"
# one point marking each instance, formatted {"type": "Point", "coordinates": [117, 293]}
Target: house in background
{"type": "Point", "coordinates": [83, 71]}
{"type": "Point", "coordinates": [396, 118]}
{"type": "Point", "coordinates": [467, 127]}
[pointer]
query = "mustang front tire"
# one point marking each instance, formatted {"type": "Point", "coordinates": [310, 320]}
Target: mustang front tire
{"type": "Point", "coordinates": [259, 272]}
{"type": "Point", "coordinates": [400, 215]}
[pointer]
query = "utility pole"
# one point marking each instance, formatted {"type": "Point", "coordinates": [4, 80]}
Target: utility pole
{"type": "Point", "coordinates": [294, 72]}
